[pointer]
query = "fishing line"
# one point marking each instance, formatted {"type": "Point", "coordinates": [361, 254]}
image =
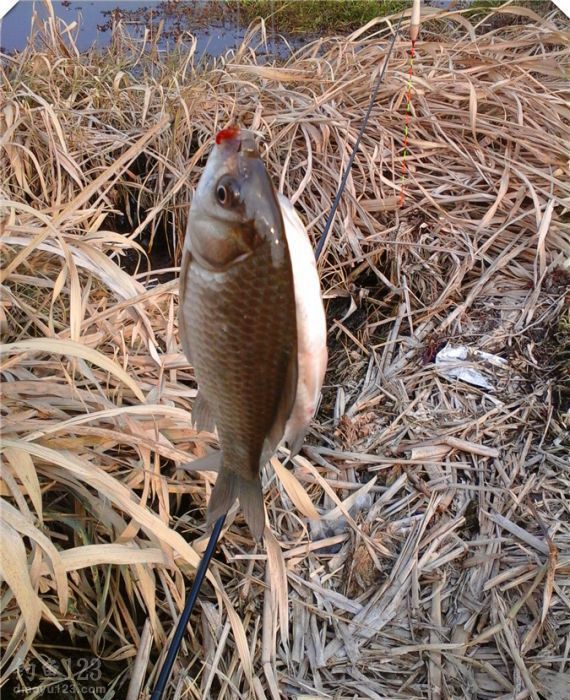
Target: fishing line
{"type": "Point", "coordinates": [176, 641]}
{"type": "Point", "coordinates": [379, 81]}
{"type": "Point", "coordinates": [188, 607]}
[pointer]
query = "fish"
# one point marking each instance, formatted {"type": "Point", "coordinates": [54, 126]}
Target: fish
{"type": "Point", "coordinates": [244, 324]}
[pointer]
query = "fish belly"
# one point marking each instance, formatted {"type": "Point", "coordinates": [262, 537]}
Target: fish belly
{"type": "Point", "coordinates": [311, 327]}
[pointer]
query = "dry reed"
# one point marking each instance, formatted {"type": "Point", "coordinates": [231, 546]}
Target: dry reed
{"type": "Point", "coordinates": [440, 565]}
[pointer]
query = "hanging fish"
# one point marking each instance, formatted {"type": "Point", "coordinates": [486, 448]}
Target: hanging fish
{"type": "Point", "coordinates": [244, 325]}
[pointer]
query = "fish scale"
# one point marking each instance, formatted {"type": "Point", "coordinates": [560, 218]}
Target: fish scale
{"type": "Point", "coordinates": [243, 328]}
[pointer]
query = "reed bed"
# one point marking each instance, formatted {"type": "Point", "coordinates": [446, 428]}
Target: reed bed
{"type": "Point", "coordinates": [420, 543]}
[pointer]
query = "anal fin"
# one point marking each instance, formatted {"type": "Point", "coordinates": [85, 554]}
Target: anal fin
{"type": "Point", "coordinates": [202, 416]}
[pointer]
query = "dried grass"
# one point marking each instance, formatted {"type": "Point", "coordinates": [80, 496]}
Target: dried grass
{"type": "Point", "coordinates": [439, 568]}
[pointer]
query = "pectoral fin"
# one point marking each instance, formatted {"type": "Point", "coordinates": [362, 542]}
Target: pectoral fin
{"type": "Point", "coordinates": [182, 302]}
{"type": "Point", "coordinates": [295, 442]}
{"type": "Point", "coordinates": [209, 463]}
{"type": "Point", "coordinates": [283, 411]}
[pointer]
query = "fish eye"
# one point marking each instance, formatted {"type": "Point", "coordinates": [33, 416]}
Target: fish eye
{"type": "Point", "coordinates": [227, 192]}
{"type": "Point", "coordinates": [221, 194]}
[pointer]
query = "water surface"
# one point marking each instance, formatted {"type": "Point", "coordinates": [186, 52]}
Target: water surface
{"type": "Point", "coordinates": [215, 27]}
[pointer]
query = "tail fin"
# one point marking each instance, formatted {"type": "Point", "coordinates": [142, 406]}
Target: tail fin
{"type": "Point", "coordinates": [230, 486]}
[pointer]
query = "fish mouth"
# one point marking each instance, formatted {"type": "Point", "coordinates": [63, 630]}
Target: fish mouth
{"type": "Point", "coordinates": [247, 144]}
{"type": "Point", "coordinates": [238, 140]}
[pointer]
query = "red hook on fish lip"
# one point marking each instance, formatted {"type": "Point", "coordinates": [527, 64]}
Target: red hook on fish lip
{"type": "Point", "coordinates": [242, 140]}
{"type": "Point", "coordinates": [228, 134]}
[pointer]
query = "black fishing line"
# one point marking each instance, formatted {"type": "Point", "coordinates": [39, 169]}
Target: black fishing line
{"type": "Point", "coordinates": [188, 607]}
{"type": "Point", "coordinates": [379, 81]}
{"type": "Point", "coordinates": [213, 541]}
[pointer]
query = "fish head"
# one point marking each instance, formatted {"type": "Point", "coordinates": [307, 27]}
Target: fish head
{"type": "Point", "coordinates": [235, 209]}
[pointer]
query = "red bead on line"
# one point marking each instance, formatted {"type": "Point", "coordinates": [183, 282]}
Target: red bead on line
{"type": "Point", "coordinates": [230, 133]}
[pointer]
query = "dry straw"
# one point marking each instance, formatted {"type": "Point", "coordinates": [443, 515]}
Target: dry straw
{"type": "Point", "coordinates": [440, 567]}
